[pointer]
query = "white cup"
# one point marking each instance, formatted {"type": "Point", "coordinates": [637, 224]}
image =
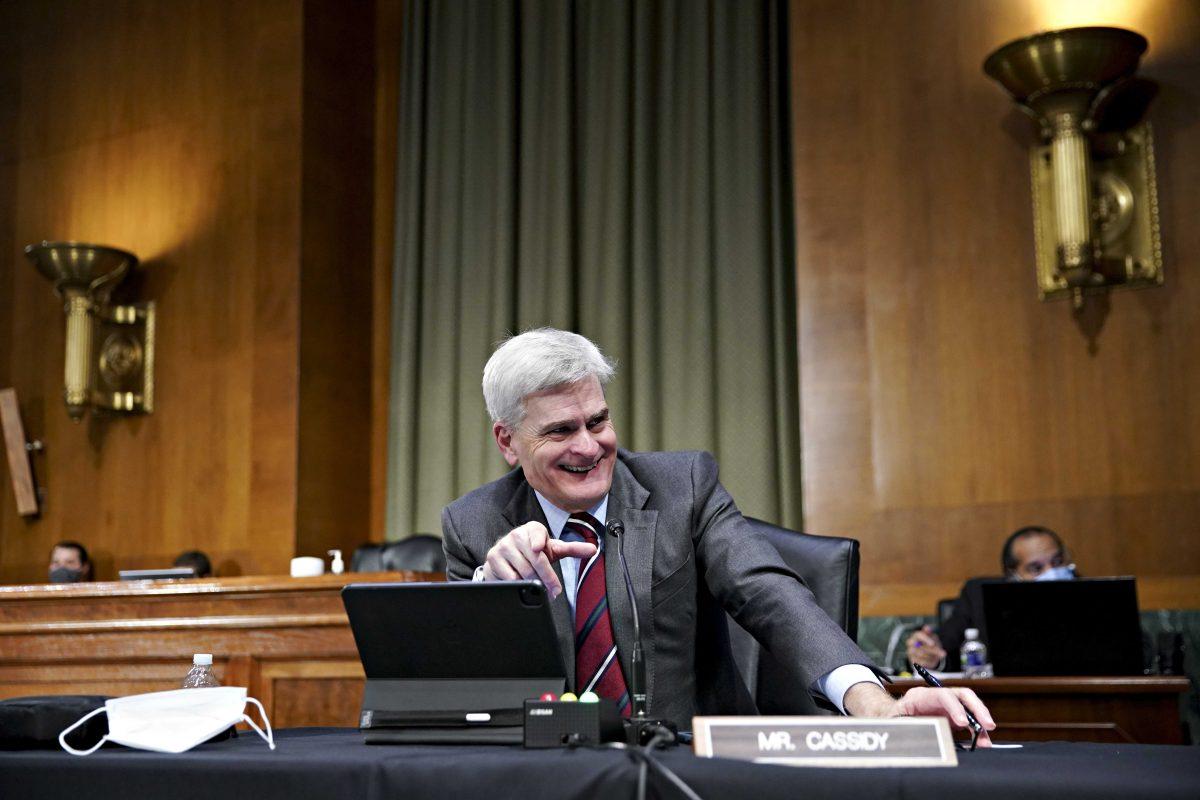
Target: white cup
{"type": "Point", "coordinates": [307, 566]}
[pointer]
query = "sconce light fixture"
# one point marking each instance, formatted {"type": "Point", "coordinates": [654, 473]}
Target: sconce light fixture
{"type": "Point", "coordinates": [119, 374]}
{"type": "Point", "coordinates": [1095, 204]}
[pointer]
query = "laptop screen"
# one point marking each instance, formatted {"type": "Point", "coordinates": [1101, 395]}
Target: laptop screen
{"type": "Point", "coordinates": [1088, 626]}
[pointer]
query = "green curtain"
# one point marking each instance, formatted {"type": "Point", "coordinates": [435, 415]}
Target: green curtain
{"type": "Point", "coordinates": [615, 168]}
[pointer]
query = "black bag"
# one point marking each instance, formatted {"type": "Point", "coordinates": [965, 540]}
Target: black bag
{"type": "Point", "coordinates": [34, 723]}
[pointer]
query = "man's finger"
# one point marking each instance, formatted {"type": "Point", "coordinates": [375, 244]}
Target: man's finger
{"type": "Point", "coordinates": [547, 575]}
{"type": "Point", "coordinates": [929, 637]}
{"type": "Point", "coordinates": [928, 701]}
{"type": "Point", "coordinates": [531, 543]}
{"type": "Point", "coordinates": [927, 658]}
{"type": "Point", "coordinates": [507, 551]}
{"type": "Point", "coordinates": [919, 640]}
{"type": "Point", "coordinates": [976, 707]}
{"type": "Point", "coordinates": [497, 569]}
{"type": "Point", "coordinates": [556, 549]}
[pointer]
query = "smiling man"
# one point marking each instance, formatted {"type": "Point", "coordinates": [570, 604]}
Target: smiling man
{"type": "Point", "coordinates": [685, 540]}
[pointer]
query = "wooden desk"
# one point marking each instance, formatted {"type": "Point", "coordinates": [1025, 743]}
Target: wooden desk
{"type": "Point", "coordinates": [286, 639]}
{"type": "Point", "coordinates": [1143, 710]}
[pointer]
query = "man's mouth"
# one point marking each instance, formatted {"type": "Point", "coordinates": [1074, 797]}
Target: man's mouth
{"type": "Point", "coordinates": [580, 470]}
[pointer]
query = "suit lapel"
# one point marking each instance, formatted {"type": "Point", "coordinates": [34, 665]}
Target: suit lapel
{"type": "Point", "coordinates": [522, 508]}
{"type": "Point", "coordinates": [626, 502]}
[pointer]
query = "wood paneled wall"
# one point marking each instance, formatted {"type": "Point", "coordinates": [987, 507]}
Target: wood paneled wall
{"type": "Point", "coordinates": [943, 404]}
{"type": "Point", "coordinates": [210, 138]}
{"type": "Point", "coordinates": [336, 307]}
{"type": "Point", "coordinates": [230, 145]}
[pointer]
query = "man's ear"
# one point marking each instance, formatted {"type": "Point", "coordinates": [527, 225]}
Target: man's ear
{"type": "Point", "coordinates": [504, 441]}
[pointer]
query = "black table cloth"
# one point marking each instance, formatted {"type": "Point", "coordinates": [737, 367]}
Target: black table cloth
{"type": "Point", "coordinates": [330, 762]}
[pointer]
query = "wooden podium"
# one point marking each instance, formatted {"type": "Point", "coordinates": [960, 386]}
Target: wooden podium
{"type": "Point", "coordinates": [286, 639]}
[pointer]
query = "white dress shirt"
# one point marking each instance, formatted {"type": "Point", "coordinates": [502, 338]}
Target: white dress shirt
{"type": "Point", "coordinates": [833, 684]}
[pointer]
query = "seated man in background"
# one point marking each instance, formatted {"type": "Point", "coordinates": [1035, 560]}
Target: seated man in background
{"type": "Point", "coordinates": [1032, 553]}
{"type": "Point", "coordinates": [197, 560]}
{"type": "Point", "coordinates": [684, 538]}
{"type": "Point", "coordinates": [69, 563]}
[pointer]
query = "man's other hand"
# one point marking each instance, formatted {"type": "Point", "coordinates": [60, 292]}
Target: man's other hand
{"type": "Point", "coordinates": [529, 552]}
{"type": "Point", "coordinates": [926, 701]}
{"type": "Point", "coordinates": [925, 648]}
{"type": "Point", "coordinates": [871, 700]}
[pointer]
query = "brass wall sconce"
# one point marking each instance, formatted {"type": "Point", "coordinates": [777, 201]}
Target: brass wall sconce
{"type": "Point", "coordinates": [1095, 204]}
{"type": "Point", "coordinates": [119, 374]}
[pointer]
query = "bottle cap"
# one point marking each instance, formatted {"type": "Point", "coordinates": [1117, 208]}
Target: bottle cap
{"type": "Point", "coordinates": [202, 659]}
{"type": "Point", "coordinates": [972, 633]}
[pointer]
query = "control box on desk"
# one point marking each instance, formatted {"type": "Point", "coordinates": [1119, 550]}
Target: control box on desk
{"type": "Point", "coordinates": [564, 724]}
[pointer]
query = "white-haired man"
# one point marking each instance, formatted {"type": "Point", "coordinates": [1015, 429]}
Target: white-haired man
{"type": "Point", "coordinates": [684, 540]}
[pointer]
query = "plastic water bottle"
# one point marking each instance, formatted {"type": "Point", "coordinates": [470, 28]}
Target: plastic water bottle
{"type": "Point", "coordinates": [201, 674]}
{"type": "Point", "coordinates": [973, 656]}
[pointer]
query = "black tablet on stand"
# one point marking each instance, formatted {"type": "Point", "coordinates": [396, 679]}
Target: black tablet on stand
{"type": "Point", "coordinates": [452, 662]}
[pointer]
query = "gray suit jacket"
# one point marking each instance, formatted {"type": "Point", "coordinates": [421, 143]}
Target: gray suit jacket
{"type": "Point", "coordinates": [691, 554]}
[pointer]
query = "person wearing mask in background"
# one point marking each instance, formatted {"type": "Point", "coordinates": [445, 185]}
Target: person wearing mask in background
{"type": "Point", "coordinates": [1032, 553]}
{"type": "Point", "coordinates": [197, 560]}
{"type": "Point", "coordinates": [69, 563]}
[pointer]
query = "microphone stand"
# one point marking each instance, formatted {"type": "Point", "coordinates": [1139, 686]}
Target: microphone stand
{"type": "Point", "coordinates": [640, 728]}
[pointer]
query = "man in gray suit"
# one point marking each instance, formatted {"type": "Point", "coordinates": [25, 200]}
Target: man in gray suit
{"type": "Point", "coordinates": [685, 541]}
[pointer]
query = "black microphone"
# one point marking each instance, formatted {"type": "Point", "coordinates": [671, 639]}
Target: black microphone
{"type": "Point", "coordinates": [638, 688]}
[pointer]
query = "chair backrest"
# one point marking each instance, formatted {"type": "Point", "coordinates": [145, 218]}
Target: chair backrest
{"type": "Point", "coordinates": [421, 552]}
{"type": "Point", "coordinates": [945, 609]}
{"type": "Point", "coordinates": [828, 565]}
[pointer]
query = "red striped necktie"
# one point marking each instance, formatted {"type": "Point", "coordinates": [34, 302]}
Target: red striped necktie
{"type": "Point", "coordinates": [597, 668]}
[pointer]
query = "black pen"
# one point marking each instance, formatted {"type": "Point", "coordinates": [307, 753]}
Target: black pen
{"type": "Point", "coordinates": [927, 676]}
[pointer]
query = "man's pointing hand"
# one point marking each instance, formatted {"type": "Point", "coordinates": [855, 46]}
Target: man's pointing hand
{"type": "Point", "coordinates": [529, 552]}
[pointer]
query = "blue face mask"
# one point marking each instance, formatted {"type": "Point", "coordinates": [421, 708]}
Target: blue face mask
{"type": "Point", "coordinates": [1066, 573]}
{"type": "Point", "coordinates": [66, 575]}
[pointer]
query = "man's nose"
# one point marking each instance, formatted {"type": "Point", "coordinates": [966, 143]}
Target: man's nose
{"type": "Point", "coordinates": [585, 443]}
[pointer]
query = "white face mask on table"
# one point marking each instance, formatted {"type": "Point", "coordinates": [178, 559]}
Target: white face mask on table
{"type": "Point", "coordinates": [174, 721]}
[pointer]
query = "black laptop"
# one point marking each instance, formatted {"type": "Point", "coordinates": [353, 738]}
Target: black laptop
{"type": "Point", "coordinates": [1088, 626]}
{"type": "Point", "coordinates": [452, 662]}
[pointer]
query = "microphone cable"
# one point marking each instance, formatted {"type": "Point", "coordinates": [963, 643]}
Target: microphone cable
{"type": "Point", "coordinates": [644, 758]}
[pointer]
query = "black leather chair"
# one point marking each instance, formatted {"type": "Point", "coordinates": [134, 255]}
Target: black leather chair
{"type": "Point", "coordinates": [945, 609]}
{"type": "Point", "coordinates": [420, 553]}
{"type": "Point", "coordinates": [829, 566]}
